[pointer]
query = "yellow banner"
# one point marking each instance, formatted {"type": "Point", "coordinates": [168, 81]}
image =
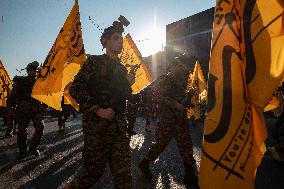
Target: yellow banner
{"type": "Point", "coordinates": [62, 62]}
{"type": "Point", "coordinates": [197, 85]}
{"type": "Point", "coordinates": [246, 67]}
{"type": "Point", "coordinates": [5, 85]}
{"type": "Point", "coordinates": [275, 104]}
{"type": "Point", "coordinates": [131, 58]}
{"type": "Point", "coordinates": [68, 99]}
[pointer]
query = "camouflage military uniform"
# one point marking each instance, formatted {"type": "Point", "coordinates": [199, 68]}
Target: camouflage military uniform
{"type": "Point", "coordinates": [63, 115]}
{"type": "Point", "coordinates": [131, 113]}
{"type": "Point", "coordinates": [27, 109]}
{"type": "Point", "coordinates": [146, 105]}
{"type": "Point", "coordinates": [11, 119]}
{"type": "Point", "coordinates": [171, 123]}
{"type": "Point", "coordinates": [101, 83]}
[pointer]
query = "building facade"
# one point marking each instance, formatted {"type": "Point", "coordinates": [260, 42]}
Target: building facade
{"type": "Point", "coordinates": [191, 35]}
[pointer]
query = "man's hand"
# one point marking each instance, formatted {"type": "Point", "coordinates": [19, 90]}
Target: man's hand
{"type": "Point", "coordinates": [131, 78]}
{"type": "Point", "coordinates": [105, 113]}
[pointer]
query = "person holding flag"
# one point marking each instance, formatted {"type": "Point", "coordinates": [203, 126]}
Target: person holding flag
{"type": "Point", "coordinates": [102, 88]}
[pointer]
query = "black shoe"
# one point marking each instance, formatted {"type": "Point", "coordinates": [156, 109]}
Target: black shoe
{"type": "Point", "coordinates": [34, 152]}
{"type": "Point", "coordinates": [190, 178]}
{"type": "Point", "coordinates": [191, 181]}
{"type": "Point", "coordinates": [8, 135]}
{"type": "Point", "coordinates": [144, 167]}
{"type": "Point", "coordinates": [21, 155]}
{"type": "Point", "coordinates": [14, 131]}
{"type": "Point", "coordinates": [59, 127]}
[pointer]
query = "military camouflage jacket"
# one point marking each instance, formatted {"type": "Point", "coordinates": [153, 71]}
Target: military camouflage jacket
{"type": "Point", "coordinates": [101, 82]}
{"type": "Point", "coordinates": [20, 96]}
{"type": "Point", "coordinates": [167, 90]}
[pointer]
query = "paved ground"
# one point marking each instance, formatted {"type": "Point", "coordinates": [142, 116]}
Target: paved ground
{"type": "Point", "coordinates": [61, 157]}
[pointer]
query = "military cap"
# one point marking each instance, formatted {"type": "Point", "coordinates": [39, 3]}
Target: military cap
{"type": "Point", "coordinates": [117, 26]}
{"type": "Point", "coordinates": [32, 66]}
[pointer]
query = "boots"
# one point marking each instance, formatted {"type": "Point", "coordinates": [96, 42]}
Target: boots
{"type": "Point", "coordinates": [190, 177]}
{"type": "Point", "coordinates": [8, 135]}
{"type": "Point", "coordinates": [21, 154]}
{"type": "Point", "coordinates": [144, 167]}
{"type": "Point", "coordinates": [34, 151]}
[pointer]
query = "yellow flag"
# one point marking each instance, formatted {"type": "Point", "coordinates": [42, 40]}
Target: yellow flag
{"type": "Point", "coordinates": [131, 58]}
{"type": "Point", "coordinates": [68, 99]}
{"type": "Point", "coordinates": [199, 82]}
{"type": "Point", "coordinates": [275, 104]}
{"type": "Point", "coordinates": [5, 85]}
{"type": "Point", "coordinates": [246, 67]}
{"type": "Point", "coordinates": [197, 85]}
{"type": "Point", "coordinates": [272, 104]}
{"type": "Point", "coordinates": [62, 63]}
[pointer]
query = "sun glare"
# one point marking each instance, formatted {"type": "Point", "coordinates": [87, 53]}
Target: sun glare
{"type": "Point", "coordinates": [153, 38]}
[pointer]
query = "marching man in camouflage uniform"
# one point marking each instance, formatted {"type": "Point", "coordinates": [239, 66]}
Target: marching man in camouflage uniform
{"type": "Point", "coordinates": [101, 88]}
{"type": "Point", "coordinates": [169, 94]}
{"type": "Point", "coordinates": [27, 109]}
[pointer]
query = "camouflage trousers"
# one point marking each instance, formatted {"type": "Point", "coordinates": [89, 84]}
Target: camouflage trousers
{"type": "Point", "coordinates": [22, 134]}
{"type": "Point", "coordinates": [131, 115]}
{"type": "Point", "coordinates": [11, 123]}
{"type": "Point", "coordinates": [104, 143]}
{"type": "Point", "coordinates": [4, 115]}
{"type": "Point", "coordinates": [166, 129]}
{"type": "Point", "coordinates": [62, 117]}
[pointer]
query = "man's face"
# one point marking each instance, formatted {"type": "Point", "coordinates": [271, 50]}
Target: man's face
{"type": "Point", "coordinates": [31, 73]}
{"type": "Point", "coordinates": [115, 43]}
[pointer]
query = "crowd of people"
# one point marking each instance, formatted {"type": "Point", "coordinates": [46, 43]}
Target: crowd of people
{"type": "Point", "coordinates": [103, 89]}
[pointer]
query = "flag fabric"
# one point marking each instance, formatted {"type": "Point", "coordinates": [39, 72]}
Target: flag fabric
{"type": "Point", "coordinates": [62, 62]}
{"type": "Point", "coordinates": [272, 104]}
{"type": "Point", "coordinates": [131, 58]}
{"type": "Point", "coordinates": [5, 85]}
{"type": "Point", "coordinates": [275, 102]}
{"type": "Point", "coordinates": [246, 67]}
{"type": "Point", "coordinates": [197, 86]}
{"type": "Point", "coordinates": [67, 97]}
